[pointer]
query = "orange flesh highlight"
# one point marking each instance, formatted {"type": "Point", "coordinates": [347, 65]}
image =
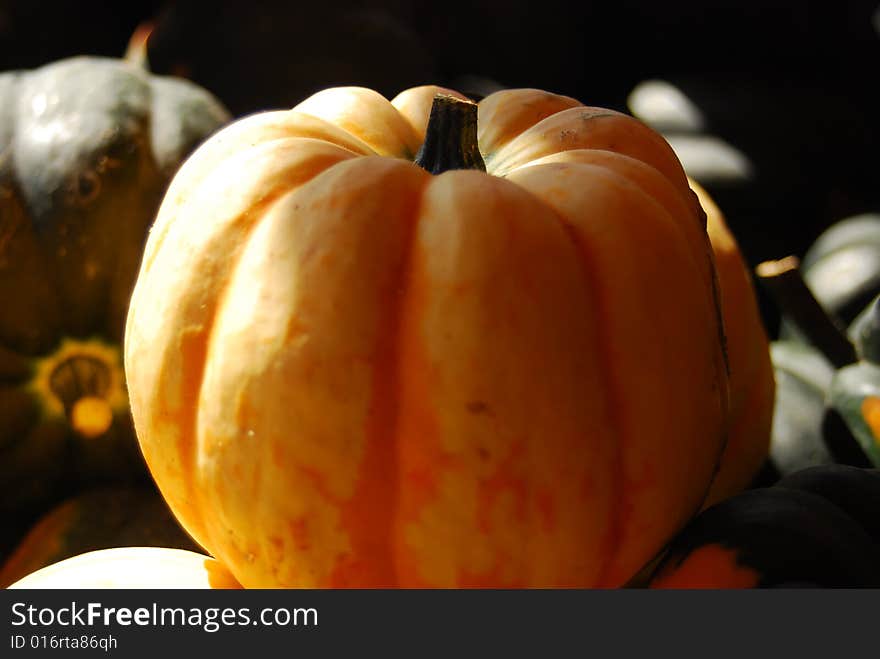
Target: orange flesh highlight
{"type": "Point", "coordinates": [871, 414]}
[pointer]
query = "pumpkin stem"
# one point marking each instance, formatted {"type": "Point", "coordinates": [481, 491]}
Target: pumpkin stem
{"type": "Point", "coordinates": [785, 283]}
{"type": "Point", "coordinates": [451, 137]}
{"type": "Point", "coordinates": [136, 50]}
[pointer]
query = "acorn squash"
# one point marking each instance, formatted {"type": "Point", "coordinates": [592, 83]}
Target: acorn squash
{"type": "Point", "coordinates": [87, 147]}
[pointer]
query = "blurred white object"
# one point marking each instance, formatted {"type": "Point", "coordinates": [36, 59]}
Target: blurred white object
{"type": "Point", "coordinates": [668, 110]}
{"type": "Point", "coordinates": [664, 107]}
{"type": "Point", "coordinates": [130, 568]}
{"type": "Point", "coordinates": [710, 159]}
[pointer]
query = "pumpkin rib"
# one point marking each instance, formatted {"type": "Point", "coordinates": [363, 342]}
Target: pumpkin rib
{"type": "Point", "coordinates": [535, 142]}
{"type": "Point", "coordinates": [197, 323]}
{"type": "Point", "coordinates": [377, 500]}
{"type": "Point", "coordinates": [659, 186]}
{"type": "Point", "coordinates": [192, 392]}
{"type": "Point", "coordinates": [709, 272]}
{"type": "Point", "coordinates": [367, 115]}
{"type": "Point", "coordinates": [617, 394]}
{"type": "Point", "coordinates": [677, 229]}
{"type": "Point", "coordinates": [591, 128]}
{"type": "Point", "coordinates": [337, 518]}
{"type": "Point", "coordinates": [215, 530]}
{"type": "Point", "coordinates": [371, 510]}
{"type": "Point", "coordinates": [287, 190]}
{"type": "Point", "coordinates": [476, 451]}
{"type": "Point", "coordinates": [646, 193]}
{"type": "Point", "coordinates": [383, 416]}
{"type": "Point", "coordinates": [261, 129]}
{"type": "Point", "coordinates": [381, 434]}
{"type": "Point", "coordinates": [507, 113]}
{"type": "Point", "coordinates": [652, 183]}
{"type": "Point", "coordinates": [613, 399]}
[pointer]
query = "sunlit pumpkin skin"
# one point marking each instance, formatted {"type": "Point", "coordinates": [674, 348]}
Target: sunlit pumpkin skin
{"type": "Point", "coordinates": [132, 568]}
{"type": "Point", "coordinates": [812, 527]}
{"type": "Point", "coordinates": [87, 147]}
{"type": "Point", "coordinates": [97, 519]}
{"type": "Point", "coordinates": [752, 382]}
{"type": "Point", "coordinates": [347, 372]}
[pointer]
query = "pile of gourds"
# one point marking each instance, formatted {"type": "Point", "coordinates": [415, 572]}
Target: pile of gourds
{"type": "Point", "coordinates": [827, 354]}
{"type": "Point", "coordinates": [814, 523]}
{"type": "Point", "coordinates": [423, 342]}
{"type": "Point", "coordinates": [87, 148]}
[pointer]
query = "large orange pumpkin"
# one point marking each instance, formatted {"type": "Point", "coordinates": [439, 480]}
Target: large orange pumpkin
{"type": "Point", "coordinates": [345, 371]}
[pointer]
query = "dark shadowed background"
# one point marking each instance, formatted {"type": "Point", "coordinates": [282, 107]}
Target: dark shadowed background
{"type": "Point", "coordinates": [791, 85]}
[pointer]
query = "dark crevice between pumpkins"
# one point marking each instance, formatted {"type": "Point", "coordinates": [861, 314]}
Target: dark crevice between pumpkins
{"type": "Point", "coordinates": [451, 137]}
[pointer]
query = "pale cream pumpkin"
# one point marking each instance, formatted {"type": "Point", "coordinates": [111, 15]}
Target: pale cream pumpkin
{"type": "Point", "coordinates": [131, 568]}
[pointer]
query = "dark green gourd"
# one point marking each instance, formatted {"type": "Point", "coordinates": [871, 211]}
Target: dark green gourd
{"type": "Point", "coordinates": [87, 147]}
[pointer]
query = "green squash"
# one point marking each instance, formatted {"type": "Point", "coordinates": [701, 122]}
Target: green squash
{"type": "Point", "coordinates": [842, 269]}
{"type": "Point", "coordinates": [803, 378]}
{"type": "Point", "coordinates": [855, 389]}
{"type": "Point", "coordinates": [854, 490]}
{"type": "Point", "coordinates": [815, 527]}
{"type": "Point", "coordinates": [811, 425]}
{"type": "Point", "coordinates": [87, 148]}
